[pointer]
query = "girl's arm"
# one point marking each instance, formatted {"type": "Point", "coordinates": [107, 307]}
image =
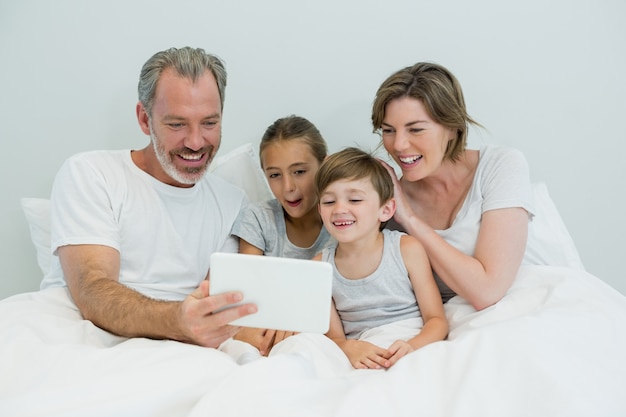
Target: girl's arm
{"type": "Point", "coordinates": [262, 339]}
{"type": "Point", "coordinates": [247, 248]}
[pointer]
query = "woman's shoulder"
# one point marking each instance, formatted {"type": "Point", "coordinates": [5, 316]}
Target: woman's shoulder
{"type": "Point", "coordinates": [494, 153]}
{"type": "Point", "coordinates": [501, 160]}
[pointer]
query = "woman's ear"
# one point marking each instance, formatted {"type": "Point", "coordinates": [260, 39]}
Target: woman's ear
{"type": "Point", "coordinates": [143, 118]}
{"type": "Point", "coordinates": [387, 210]}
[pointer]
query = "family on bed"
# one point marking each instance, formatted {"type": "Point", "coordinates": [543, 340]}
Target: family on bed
{"type": "Point", "coordinates": [133, 229]}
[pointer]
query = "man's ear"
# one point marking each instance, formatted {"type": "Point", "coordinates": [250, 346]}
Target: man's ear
{"type": "Point", "coordinates": [387, 210]}
{"type": "Point", "coordinates": [143, 118]}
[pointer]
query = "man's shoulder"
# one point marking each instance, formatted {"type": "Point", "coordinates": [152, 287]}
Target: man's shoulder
{"type": "Point", "coordinates": [98, 156]}
{"type": "Point", "coordinates": [223, 188]}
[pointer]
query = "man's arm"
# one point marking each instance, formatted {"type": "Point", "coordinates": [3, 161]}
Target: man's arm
{"type": "Point", "coordinates": [92, 274]}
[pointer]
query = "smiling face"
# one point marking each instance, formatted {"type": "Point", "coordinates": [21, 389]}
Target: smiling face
{"type": "Point", "coordinates": [413, 139]}
{"type": "Point", "coordinates": [185, 128]}
{"type": "Point", "coordinates": [351, 209]}
{"type": "Point", "coordinates": [290, 168]}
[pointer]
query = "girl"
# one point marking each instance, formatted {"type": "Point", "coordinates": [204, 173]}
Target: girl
{"type": "Point", "coordinates": [289, 225]}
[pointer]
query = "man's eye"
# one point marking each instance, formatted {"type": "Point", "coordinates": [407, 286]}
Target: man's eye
{"type": "Point", "coordinates": [209, 123]}
{"type": "Point", "coordinates": [175, 125]}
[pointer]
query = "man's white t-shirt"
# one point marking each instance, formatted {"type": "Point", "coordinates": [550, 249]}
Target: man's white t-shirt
{"type": "Point", "coordinates": [164, 234]}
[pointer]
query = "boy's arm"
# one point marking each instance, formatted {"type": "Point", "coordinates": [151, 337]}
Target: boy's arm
{"type": "Point", "coordinates": [427, 295]}
{"type": "Point", "coordinates": [361, 354]}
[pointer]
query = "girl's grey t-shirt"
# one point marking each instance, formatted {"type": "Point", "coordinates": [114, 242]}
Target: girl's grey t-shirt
{"type": "Point", "coordinates": [262, 224]}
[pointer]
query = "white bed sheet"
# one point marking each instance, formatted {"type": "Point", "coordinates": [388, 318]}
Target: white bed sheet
{"type": "Point", "coordinates": [554, 346]}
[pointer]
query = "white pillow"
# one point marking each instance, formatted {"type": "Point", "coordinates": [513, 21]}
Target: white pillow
{"type": "Point", "coordinates": [37, 212]}
{"type": "Point", "coordinates": [554, 245]}
{"type": "Point", "coordinates": [240, 167]}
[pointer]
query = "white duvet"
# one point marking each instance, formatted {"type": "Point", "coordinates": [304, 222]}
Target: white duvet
{"type": "Point", "coordinates": [554, 346]}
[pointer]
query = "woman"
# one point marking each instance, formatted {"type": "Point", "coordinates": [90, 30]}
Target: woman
{"type": "Point", "coordinates": [469, 208]}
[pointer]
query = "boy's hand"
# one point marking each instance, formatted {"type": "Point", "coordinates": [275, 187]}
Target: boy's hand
{"type": "Point", "coordinates": [365, 355]}
{"type": "Point", "coordinates": [398, 349]}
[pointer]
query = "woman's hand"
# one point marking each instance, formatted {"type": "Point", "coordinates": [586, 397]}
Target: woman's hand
{"type": "Point", "coordinates": [403, 210]}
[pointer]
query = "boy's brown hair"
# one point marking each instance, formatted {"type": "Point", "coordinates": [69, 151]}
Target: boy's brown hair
{"type": "Point", "coordinates": [354, 164]}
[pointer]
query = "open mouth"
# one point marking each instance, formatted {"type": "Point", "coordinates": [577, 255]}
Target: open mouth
{"type": "Point", "coordinates": [343, 223]}
{"type": "Point", "coordinates": [295, 203]}
{"type": "Point", "coordinates": [193, 158]}
{"type": "Point", "coordinates": [410, 160]}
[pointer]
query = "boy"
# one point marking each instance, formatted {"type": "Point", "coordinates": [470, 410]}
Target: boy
{"type": "Point", "coordinates": [383, 286]}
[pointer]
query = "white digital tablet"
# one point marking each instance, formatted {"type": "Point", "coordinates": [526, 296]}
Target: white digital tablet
{"type": "Point", "coordinates": [291, 294]}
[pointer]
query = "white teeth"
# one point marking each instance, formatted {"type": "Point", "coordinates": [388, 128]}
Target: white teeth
{"type": "Point", "coordinates": [410, 159]}
{"type": "Point", "coordinates": [192, 157]}
{"type": "Point", "coordinates": [346, 223]}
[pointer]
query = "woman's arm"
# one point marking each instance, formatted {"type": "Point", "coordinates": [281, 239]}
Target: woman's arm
{"type": "Point", "coordinates": [484, 278]}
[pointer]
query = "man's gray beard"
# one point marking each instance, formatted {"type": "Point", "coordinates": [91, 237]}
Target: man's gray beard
{"type": "Point", "coordinates": [170, 169]}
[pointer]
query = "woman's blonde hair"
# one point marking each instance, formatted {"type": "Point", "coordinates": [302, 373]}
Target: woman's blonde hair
{"type": "Point", "coordinates": [439, 91]}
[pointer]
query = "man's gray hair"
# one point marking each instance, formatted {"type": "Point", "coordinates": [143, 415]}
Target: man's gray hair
{"type": "Point", "coordinates": [188, 62]}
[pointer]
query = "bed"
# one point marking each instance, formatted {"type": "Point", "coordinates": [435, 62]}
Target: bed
{"type": "Point", "coordinates": [555, 345]}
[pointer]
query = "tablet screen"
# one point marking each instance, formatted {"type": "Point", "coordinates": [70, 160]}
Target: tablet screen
{"type": "Point", "coordinates": [291, 294]}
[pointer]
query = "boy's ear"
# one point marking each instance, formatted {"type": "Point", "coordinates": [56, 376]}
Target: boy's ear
{"type": "Point", "coordinates": [387, 210]}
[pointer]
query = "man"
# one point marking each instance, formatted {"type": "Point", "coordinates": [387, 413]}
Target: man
{"type": "Point", "coordinates": [134, 230]}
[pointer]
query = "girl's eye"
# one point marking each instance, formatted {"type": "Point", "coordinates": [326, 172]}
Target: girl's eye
{"type": "Point", "coordinates": [355, 200]}
{"type": "Point", "coordinates": [299, 172]}
{"type": "Point", "coordinates": [327, 202]}
{"type": "Point", "coordinates": [273, 175]}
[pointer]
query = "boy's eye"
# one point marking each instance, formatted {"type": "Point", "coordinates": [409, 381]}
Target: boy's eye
{"type": "Point", "coordinates": [273, 175]}
{"type": "Point", "coordinates": [327, 202]}
{"type": "Point", "coordinates": [355, 200]}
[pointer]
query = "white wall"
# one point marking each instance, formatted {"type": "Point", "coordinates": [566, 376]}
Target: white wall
{"type": "Point", "coordinates": [546, 77]}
